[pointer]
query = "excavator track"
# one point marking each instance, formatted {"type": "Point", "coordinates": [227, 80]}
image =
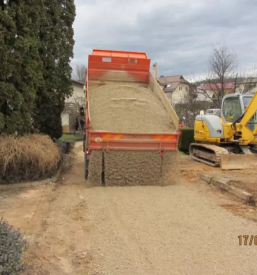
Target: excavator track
{"type": "Point", "coordinates": [208, 154]}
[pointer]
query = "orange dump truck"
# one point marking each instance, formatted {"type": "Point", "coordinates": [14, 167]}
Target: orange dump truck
{"type": "Point", "coordinates": [111, 149]}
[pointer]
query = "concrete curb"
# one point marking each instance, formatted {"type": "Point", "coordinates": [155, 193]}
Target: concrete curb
{"type": "Point", "coordinates": [6, 187]}
{"type": "Point", "coordinates": [224, 184]}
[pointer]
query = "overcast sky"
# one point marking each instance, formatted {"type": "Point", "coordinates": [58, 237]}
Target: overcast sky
{"type": "Point", "coordinates": [177, 34]}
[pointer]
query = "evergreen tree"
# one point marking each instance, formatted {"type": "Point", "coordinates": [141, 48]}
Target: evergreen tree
{"type": "Point", "coordinates": [56, 36]}
{"type": "Point", "coordinates": [36, 45]}
{"type": "Point", "coordinates": [9, 97]}
{"type": "Point", "coordinates": [21, 64]}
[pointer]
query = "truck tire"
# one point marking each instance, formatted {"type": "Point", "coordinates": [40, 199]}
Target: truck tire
{"type": "Point", "coordinates": [86, 162]}
{"type": "Point", "coordinates": [84, 142]}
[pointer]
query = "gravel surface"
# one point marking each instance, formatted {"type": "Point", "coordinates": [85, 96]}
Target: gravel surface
{"type": "Point", "coordinates": [128, 108]}
{"type": "Point", "coordinates": [131, 168]}
{"type": "Point", "coordinates": [140, 168]}
{"type": "Point", "coordinates": [144, 230]}
{"type": "Point", "coordinates": [95, 167]}
{"type": "Point", "coordinates": [165, 230]}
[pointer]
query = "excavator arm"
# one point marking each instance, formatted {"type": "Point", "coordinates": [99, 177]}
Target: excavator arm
{"type": "Point", "coordinates": [247, 135]}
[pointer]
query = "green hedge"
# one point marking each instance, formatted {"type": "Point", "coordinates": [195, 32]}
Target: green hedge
{"type": "Point", "coordinates": [186, 138]}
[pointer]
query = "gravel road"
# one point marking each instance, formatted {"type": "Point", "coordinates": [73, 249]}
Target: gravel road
{"type": "Point", "coordinates": [165, 230]}
{"type": "Point", "coordinates": [78, 229]}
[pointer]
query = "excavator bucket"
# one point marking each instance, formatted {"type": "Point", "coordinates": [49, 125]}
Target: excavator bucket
{"type": "Point", "coordinates": [238, 161]}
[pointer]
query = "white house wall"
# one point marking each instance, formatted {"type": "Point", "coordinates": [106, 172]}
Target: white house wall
{"type": "Point", "coordinates": [65, 119]}
{"type": "Point", "coordinates": [180, 94]}
{"type": "Point", "coordinates": [241, 88]}
{"type": "Point", "coordinates": [78, 92]}
{"type": "Point", "coordinates": [204, 96]}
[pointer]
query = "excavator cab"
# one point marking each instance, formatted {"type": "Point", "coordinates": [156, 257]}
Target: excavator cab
{"type": "Point", "coordinates": [234, 107]}
{"type": "Point", "coordinates": [231, 109]}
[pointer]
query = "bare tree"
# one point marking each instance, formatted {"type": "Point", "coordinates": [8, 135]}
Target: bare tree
{"type": "Point", "coordinates": [79, 73]}
{"type": "Point", "coordinates": [247, 81]}
{"type": "Point", "coordinates": [222, 67]}
{"type": "Point", "coordinates": [188, 108]}
{"type": "Point", "coordinates": [223, 76]}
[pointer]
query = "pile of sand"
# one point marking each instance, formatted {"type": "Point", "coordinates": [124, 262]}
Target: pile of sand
{"type": "Point", "coordinates": [120, 107]}
{"type": "Point", "coordinates": [128, 108]}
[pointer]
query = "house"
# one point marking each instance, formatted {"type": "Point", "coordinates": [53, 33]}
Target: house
{"type": "Point", "coordinates": [175, 87]}
{"type": "Point", "coordinates": [214, 88]}
{"type": "Point", "coordinates": [72, 105]}
{"type": "Point", "coordinates": [210, 91]}
{"type": "Point", "coordinates": [247, 85]}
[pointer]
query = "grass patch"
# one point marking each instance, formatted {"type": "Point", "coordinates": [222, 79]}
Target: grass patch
{"type": "Point", "coordinates": [71, 137]}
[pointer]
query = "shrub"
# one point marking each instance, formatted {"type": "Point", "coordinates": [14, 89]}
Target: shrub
{"type": "Point", "coordinates": [12, 245]}
{"type": "Point", "coordinates": [27, 158]}
{"type": "Point", "coordinates": [186, 138]}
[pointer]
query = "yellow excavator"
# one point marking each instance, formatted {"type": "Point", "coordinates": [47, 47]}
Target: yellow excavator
{"type": "Point", "coordinates": [228, 140]}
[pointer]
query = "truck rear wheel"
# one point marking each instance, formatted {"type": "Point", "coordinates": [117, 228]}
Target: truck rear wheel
{"type": "Point", "coordinates": [86, 164]}
{"type": "Point", "coordinates": [86, 159]}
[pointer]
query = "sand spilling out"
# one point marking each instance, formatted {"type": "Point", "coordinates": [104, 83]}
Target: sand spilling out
{"type": "Point", "coordinates": [140, 168]}
{"type": "Point", "coordinates": [95, 168]}
{"type": "Point", "coordinates": [130, 108]}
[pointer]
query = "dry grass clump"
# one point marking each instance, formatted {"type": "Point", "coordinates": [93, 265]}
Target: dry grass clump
{"type": "Point", "coordinates": [27, 158]}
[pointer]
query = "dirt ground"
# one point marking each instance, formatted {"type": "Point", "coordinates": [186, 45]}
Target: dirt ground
{"type": "Point", "coordinates": [185, 228]}
{"type": "Point", "coordinates": [243, 179]}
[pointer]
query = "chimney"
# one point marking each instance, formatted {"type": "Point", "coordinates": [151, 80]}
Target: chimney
{"type": "Point", "coordinates": [155, 70]}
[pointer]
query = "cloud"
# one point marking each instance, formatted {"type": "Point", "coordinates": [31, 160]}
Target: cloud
{"type": "Point", "coordinates": [177, 34]}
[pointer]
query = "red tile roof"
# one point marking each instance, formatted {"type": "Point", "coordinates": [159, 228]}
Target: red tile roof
{"type": "Point", "coordinates": [216, 86]}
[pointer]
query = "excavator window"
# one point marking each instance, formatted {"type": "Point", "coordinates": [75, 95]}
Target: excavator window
{"type": "Point", "coordinates": [246, 101]}
{"type": "Point", "coordinates": [232, 109]}
{"type": "Point", "coordinates": [253, 121]}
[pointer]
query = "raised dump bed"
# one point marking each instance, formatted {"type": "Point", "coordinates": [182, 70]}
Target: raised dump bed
{"type": "Point", "coordinates": [132, 130]}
